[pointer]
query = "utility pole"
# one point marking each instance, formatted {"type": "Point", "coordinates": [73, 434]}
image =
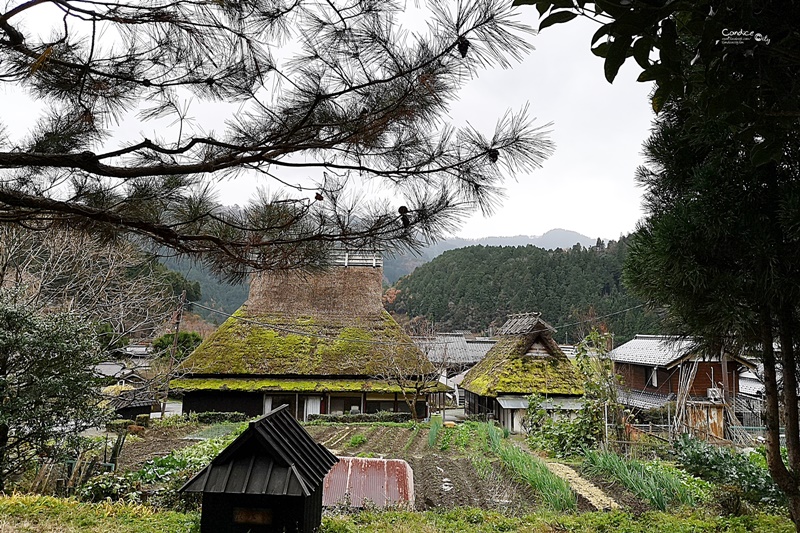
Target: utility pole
{"type": "Point", "coordinates": [178, 315]}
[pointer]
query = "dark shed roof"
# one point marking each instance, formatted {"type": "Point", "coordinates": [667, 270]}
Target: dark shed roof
{"type": "Point", "coordinates": [275, 456]}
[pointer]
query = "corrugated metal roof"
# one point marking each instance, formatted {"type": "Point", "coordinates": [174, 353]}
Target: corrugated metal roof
{"type": "Point", "coordinates": [362, 482]}
{"type": "Point", "coordinates": [525, 323]}
{"type": "Point", "coordinates": [274, 456]}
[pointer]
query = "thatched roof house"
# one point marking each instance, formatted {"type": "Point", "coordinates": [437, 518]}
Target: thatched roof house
{"type": "Point", "coordinates": [526, 360]}
{"type": "Point", "coordinates": [320, 342]}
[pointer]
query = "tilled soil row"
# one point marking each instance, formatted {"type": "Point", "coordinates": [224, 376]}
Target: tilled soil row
{"type": "Point", "coordinates": [446, 482]}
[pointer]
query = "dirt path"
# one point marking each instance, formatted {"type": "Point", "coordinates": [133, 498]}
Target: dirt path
{"type": "Point", "coordinates": [583, 487]}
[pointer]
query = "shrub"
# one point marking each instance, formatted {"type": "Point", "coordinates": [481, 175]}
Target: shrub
{"type": "Point", "coordinates": [564, 437]}
{"type": "Point", "coordinates": [120, 425]}
{"type": "Point", "coordinates": [213, 417]}
{"type": "Point", "coordinates": [143, 420]}
{"type": "Point", "coordinates": [357, 440]}
{"type": "Point", "coordinates": [110, 486]}
{"type": "Point", "coordinates": [728, 467]}
{"type": "Point", "coordinates": [175, 421]}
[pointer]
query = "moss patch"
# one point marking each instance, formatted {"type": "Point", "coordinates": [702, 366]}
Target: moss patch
{"type": "Point", "coordinates": [277, 344]}
{"type": "Point", "coordinates": [507, 369]}
{"type": "Point", "coordinates": [277, 384]}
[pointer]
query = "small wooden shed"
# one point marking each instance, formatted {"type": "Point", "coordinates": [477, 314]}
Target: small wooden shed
{"type": "Point", "coordinates": [268, 480]}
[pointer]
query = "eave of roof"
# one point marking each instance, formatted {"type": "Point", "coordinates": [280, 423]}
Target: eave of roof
{"type": "Point", "coordinates": [278, 384]}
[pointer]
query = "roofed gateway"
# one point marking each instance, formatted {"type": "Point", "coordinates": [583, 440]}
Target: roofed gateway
{"type": "Point", "coordinates": [314, 341]}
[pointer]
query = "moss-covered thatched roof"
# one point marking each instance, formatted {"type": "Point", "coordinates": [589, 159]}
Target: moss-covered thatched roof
{"type": "Point", "coordinates": [292, 385]}
{"type": "Point", "coordinates": [276, 344]}
{"type": "Point", "coordinates": [524, 364]}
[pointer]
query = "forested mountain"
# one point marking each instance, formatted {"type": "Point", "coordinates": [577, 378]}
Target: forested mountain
{"type": "Point", "coordinates": [475, 287]}
{"type": "Point", "coordinates": [396, 267]}
{"type": "Point", "coordinates": [218, 295]}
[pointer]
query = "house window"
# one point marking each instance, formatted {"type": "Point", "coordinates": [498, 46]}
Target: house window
{"type": "Point", "coordinates": [345, 405]}
{"type": "Point", "coordinates": [650, 377]}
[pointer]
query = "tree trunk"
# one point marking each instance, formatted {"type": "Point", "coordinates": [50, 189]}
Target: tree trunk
{"type": "Point", "coordinates": [791, 416]}
{"type": "Point", "coordinates": [785, 480]}
{"type": "Point", "coordinates": [3, 445]}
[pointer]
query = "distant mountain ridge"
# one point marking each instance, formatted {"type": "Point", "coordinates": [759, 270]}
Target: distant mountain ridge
{"type": "Point", "coordinates": [477, 287]}
{"type": "Point", "coordinates": [228, 298]}
{"type": "Point", "coordinates": [396, 267]}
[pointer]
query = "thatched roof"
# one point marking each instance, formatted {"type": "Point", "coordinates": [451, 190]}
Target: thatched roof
{"type": "Point", "coordinates": [325, 324]}
{"type": "Point", "coordinates": [525, 363]}
{"type": "Point", "coordinates": [307, 385]}
{"type": "Point", "coordinates": [307, 345]}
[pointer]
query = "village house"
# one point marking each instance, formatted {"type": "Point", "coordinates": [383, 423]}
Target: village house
{"type": "Point", "coordinates": [654, 368]}
{"type": "Point", "coordinates": [524, 361]}
{"type": "Point", "coordinates": [320, 342]}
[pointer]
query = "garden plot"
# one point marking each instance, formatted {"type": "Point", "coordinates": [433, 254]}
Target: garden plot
{"type": "Point", "coordinates": [453, 469]}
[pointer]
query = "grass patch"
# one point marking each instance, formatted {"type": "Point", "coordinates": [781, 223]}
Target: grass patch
{"type": "Point", "coordinates": [433, 432]}
{"type": "Point", "coordinates": [554, 491]}
{"type": "Point", "coordinates": [480, 521]}
{"type": "Point", "coordinates": [45, 514]}
{"type": "Point", "coordinates": [356, 440]}
{"type": "Point", "coordinates": [660, 487]}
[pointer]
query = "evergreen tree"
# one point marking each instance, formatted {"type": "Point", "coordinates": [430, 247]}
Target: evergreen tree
{"type": "Point", "coordinates": [720, 250]}
{"type": "Point", "coordinates": [48, 388]}
{"type": "Point", "coordinates": [339, 91]}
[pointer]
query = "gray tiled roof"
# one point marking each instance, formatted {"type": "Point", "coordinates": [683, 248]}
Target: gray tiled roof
{"type": "Point", "coordinates": [454, 348]}
{"type": "Point", "coordinates": [652, 350]}
{"type": "Point", "coordinates": [750, 384]}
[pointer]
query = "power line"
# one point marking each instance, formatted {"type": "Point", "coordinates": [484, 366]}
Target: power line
{"type": "Point", "coordinates": [285, 329]}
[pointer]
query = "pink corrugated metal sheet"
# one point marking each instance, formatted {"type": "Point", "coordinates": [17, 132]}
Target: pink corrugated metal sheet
{"type": "Point", "coordinates": [362, 482]}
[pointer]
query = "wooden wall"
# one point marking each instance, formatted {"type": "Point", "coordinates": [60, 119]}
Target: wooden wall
{"type": "Point", "coordinates": [634, 376]}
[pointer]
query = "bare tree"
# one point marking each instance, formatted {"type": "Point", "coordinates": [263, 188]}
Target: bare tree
{"type": "Point", "coordinates": [339, 91]}
{"type": "Point", "coordinates": [415, 368]}
{"type": "Point", "coordinates": [108, 284]}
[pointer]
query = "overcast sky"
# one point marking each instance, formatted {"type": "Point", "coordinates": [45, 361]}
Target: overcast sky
{"type": "Point", "coordinates": [586, 186]}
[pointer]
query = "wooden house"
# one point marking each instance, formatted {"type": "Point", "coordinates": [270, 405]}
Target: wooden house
{"type": "Point", "coordinates": [653, 368]}
{"type": "Point", "coordinates": [320, 342]}
{"type": "Point", "coordinates": [270, 479]}
{"type": "Point", "coordinates": [525, 360]}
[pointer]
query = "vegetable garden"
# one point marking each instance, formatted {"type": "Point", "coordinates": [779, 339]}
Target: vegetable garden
{"type": "Point", "coordinates": [470, 477]}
